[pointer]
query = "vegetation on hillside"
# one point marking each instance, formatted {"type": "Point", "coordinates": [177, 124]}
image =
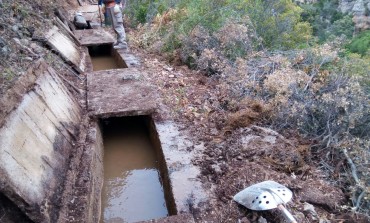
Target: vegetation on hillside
{"type": "Point", "coordinates": [327, 21]}
{"type": "Point", "coordinates": [303, 64]}
{"type": "Point", "coordinates": [360, 44]}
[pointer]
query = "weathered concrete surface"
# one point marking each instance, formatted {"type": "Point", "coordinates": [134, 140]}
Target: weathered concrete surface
{"type": "Point", "coordinates": [14, 96]}
{"type": "Point", "coordinates": [91, 37]}
{"type": "Point", "coordinates": [95, 155]}
{"type": "Point", "coordinates": [70, 51]}
{"type": "Point", "coordinates": [36, 139]}
{"type": "Point", "coordinates": [119, 92]}
{"type": "Point", "coordinates": [129, 59]}
{"type": "Point", "coordinates": [83, 194]}
{"type": "Point", "coordinates": [178, 152]}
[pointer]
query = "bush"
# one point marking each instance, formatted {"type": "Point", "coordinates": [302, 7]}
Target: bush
{"type": "Point", "coordinates": [143, 11]}
{"type": "Point", "coordinates": [323, 96]}
{"type": "Point", "coordinates": [213, 34]}
{"type": "Point", "coordinates": [273, 19]}
{"type": "Point", "coordinates": [360, 44]}
{"type": "Point", "coordinates": [275, 24]}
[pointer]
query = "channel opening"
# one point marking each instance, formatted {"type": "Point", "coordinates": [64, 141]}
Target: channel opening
{"type": "Point", "coordinates": [136, 186]}
{"type": "Point", "coordinates": [104, 57]}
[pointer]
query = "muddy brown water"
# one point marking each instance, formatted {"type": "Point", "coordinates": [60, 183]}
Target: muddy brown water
{"type": "Point", "coordinates": [106, 62]}
{"type": "Point", "coordinates": [132, 190]}
{"type": "Point", "coordinates": [102, 58]}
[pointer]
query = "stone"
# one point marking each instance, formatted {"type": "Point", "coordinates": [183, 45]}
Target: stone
{"type": "Point", "coordinates": [244, 220]}
{"type": "Point", "coordinates": [309, 209]}
{"type": "Point", "coordinates": [2, 42]}
{"type": "Point", "coordinates": [359, 8]}
{"type": "Point", "coordinates": [15, 28]}
{"type": "Point", "coordinates": [262, 220]}
{"type": "Point", "coordinates": [17, 41]}
{"type": "Point", "coordinates": [216, 168]}
{"type": "Point", "coordinates": [36, 48]}
{"type": "Point", "coordinates": [4, 51]}
{"type": "Point", "coordinates": [25, 42]}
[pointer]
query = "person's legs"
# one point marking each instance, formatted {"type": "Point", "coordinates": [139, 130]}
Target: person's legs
{"type": "Point", "coordinates": [117, 22]}
{"type": "Point", "coordinates": [109, 13]}
{"type": "Point", "coordinates": [107, 19]}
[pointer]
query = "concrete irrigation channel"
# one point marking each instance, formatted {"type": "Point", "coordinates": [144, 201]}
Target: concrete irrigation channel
{"type": "Point", "coordinates": [100, 157]}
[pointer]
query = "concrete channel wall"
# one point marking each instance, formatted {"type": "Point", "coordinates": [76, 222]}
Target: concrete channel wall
{"type": "Point", "coordinates": [93, 159]}
{"type": "Point", "coordinates": [39, 121]}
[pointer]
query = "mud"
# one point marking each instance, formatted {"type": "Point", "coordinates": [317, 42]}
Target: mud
{"type": "Point", "coordinates": [132, 188]}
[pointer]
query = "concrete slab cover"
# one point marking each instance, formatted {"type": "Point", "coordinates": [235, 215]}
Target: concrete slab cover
{"type": "Point", "coordinates": [66, 47]}
{"type": "Point", "coordinates": [35, 143]}
{"type": "Point", "coordinates": [119, 92]}
{"type": "Point", "coordinates": [89, 37]}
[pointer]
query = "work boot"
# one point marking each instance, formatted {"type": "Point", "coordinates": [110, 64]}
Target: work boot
{"type": "Point", "coordinates": [120, 46]}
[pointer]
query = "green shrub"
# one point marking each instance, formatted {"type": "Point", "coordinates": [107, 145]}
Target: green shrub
{"type": "Point", "coordinates": [142, 11]}
{"type": "Point", "coordinates": [274, 23]}
{"type": "Point", "coordinates": [360, 44]}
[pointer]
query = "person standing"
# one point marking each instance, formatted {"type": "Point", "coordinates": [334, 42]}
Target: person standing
{"type": "Point", "coordinates": [113, 10]}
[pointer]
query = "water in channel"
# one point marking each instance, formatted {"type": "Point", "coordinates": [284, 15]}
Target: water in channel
{"type": "Point", "coordinates": [132, 189]}
{"type": "Point", "coordinates": [104, 62]}
{"type": "Point", "coordinates": [102, 58]}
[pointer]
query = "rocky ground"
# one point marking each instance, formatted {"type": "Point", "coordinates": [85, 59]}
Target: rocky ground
{"type": "Point", "coordinates": [238, 150]}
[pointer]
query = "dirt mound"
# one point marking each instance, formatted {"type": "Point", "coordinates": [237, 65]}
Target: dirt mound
{"type": "Point", "coordinates": [249, 112]}
{"type": "Point", "coordinates": [256, 154]}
